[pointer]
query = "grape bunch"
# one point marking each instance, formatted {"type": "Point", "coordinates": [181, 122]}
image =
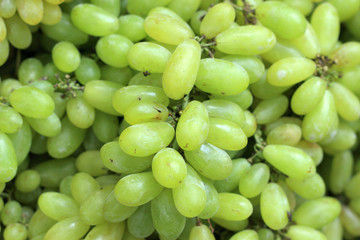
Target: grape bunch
{"type": "Point", "coordinates": [179, 119]}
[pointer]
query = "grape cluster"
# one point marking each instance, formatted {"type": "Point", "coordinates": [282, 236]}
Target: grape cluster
{"type": "Point", "coordinates": [179, 119]}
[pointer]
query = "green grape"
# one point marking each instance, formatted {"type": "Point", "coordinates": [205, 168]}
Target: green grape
{"type": "Point", "coordinates": [245, 235]}
{"type": "Point", "coordinates": [304, 6]}
{"type": "Point", "coordinates": [88, 70]}
{"type": "Point", "coordinates": [282, 49]}
{"type": "Point", "coordinates": [10, 120]}
{"type": "Point", "coordinates": [30, 70]}
{"type": "Point", "coordinates": [167, 28]}
{"type": "Point", "coordinates": [48, 127]}
{"type": "Point", "coordinates": [52, 73]}
{"type": "Point", "coordinates": [271, 109]}
{"type": "Point", "coordinates": [72, 228]}
{"type": "Point", "coordinates": [190, 195]}
{"type": "Point", "coordinates": [7, 8]}
{"type": "Point", "coordinates": [348, 77]}
{"type": "Point", "coordinates": [346, 55]}
{"type": "Point", "coordinates": [308, 44]}
{"type": "Point", "coordinates": [65, 186]}
{"type": "Point", "coordinates": [252, 183]}
{"type": "Point", "coordinates": [4, 50]}
{"type": "Point", "coordinates": [346, 9]}
{"type": "Point", "coordinates": [351, 189]}
{"type": "Point", "coordinates": [283, 120]}
{"type": "Point", "coordinates": [105, 126]}
{"type": "Point", "coordinates": [157, 136]}
{"type": "Point", "coordinates": [246, 40]}
{"type": "Point", "coordinates": [317, 213]}
{"type": "Point", "coordinates": [66, 143]}
{"type": "Point", "coordinates": [39, 224]}
{"type": "Point", "coordinates": [333, 230]}
{"type": "Point", "coordinates": [113, 49]}
{"type": "Point", "coordinates": [309, 188]}
{"type": "Point", "coordinates": [145, 111]}
{"type": "Point", "coordinates": [308, 95]}
{"type": "Point", "coordinates": [169, 168]}
{"type": "Point", "coordinates": [116, 212]}
{"type": "Point", "coordinates": [53, 171]}
{"type": "Point", "coordinates": [181, 69]}
{"type": "Point", "coordinates": [38, 143]}
{"type": "Point", "coordinates": [8, 85]}
{"type": "Point", "coordinates": [106, 231]}
{"type": "Point", "coordinates": [80, 112]}
{"type": "Point", "coordinates": [44, 86]}
{"type": "Point", "coordinates": [140, 224]}
{"type": "Point", "coordinates": [168, 222]}
{"type": "Point", "coordinates": [8, 161]}
{"type": "Point", "coordinates": [274, 206]}
{"type": "Point", "coordinates": [285, 134]}
{"type": "Point", "coordinates": [137, 189]}
{"type": "Point", "coordinates": [11, 213]}
{"type": "Point", "coordinates": [302, 166]}
{"type": "Point", "coordinates": [82, 186]}
{"type": "Point", "coordinates": [196, 21]}
{"type": "Point", "coordinates": [343, 139]}
{"type": "Point", "coordinates": [352, 25]}
{"type": "Point", "coordinates": [212, 73]}
{"type": "Point", "coordinates": [31, 12]}
{"type": "Point", "coordinates": [94, 20]}
{"type": "Point", "coordinates": [132, 27]}
{"type": "Point", "coordinates": [142, 8]}
{"type": "Point", "coordinates": [58, 206]}
{"type": "Point", "coordinates": [184, 8]}
{"type": "Point", "coordinates": [66, 56]}
{"type": "Point", "coordinates": [151, 80]}
{"type": "Point", "coordinates": [89, 209]}
{"type": "Point", "coordinates": [126, 96]}
{"type": "Point", "coordinates": [289, 71]}
{"type": "Point", "coordinates": [129, 236]}
{"type": "Point", "coordinates": [350, 221]}
{"type": "Point", "coordinates": [211, 161]}
{"type": "Point", "coordinates": [212, 200]}
{"type": "Point", "coordinates": [313, 150]}
{"type": "Point", "coordinates": [52, 13]}
{"type": "Point", "coordinates": [108, 180]}
{"type": "Point", "coordinates": [243, 99]}
{"type": "Point", "coordinates": [233, 207]}
{"type": "Point", "coordinates": [112, 6]}
{"type": "Point", "coordinates": [18, 33]}
{"type": "Point", "coordinates": [65, 30]}
{"type": "Point", "coordinates": [27, 181]}
{"type": "Point", "coordinates": [60, 104]}
{"type": "Point", "coordinates": [15, 231]}
{"type": "Point", "coordinates": [217, 19]}
{"type": "Point", "coordinates": [296, 232]}
{"type": "Point", "coordinates": [115, 159]}
{"type": "Point", "coordinates": [117, 75]}
{"type": "Point", "coordinates": [265, 234]}
{"type": "Point", "coordinates": [231, 225]}
{"type": "Point", "coordinates": [225, 109]}
{"type": "Point", "coordinates": [263, 90]}
{"type": "Point", "coordinates": [201, 232]}
{"type": "Point", "coordinates": [91, 163]}
{"type": "Point", "coordinates": [354, 205]}
{"type": "Point", "coordinates": [326, 23]}
{"type": "Point", "coordinates": [226, 134]}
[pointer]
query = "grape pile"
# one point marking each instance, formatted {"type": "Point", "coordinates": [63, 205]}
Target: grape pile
{"type": "Point", "coordinates": [179, 119]}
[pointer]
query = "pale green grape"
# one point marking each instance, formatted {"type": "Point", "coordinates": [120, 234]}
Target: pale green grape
{"type": "Point", "coordinates": [201, 232]}
{"type": "Point", "coordinates": [309, 188]}
{"type": "Point", "coordinates": [265, 234]}
{"type": "Point", "coordinates": [252, 183]}
{"type": "Point", "coordinates": [31, 12]}
{"type": "Point", "coordinates": [346, 9]}
{"type": "Point", "coordinates": [212, 200]}
{"type": "Point", "coordinates": [15, 231]}
{"type": "Point", "coordinates": [233, 207]}
{"type": "Point", "coordinates": [88, 70]}
{"type": "Point", "coordinates": [225, 109]}
{"type": "Point", "coordinates": [343, 139]}
{"type": "Point", "coordinates": [11, 213]}
{"type": "Point", "coordinates": [7, 8]}
{"type": "Point", "coordinates": [350, 221]}
{"type": "Point", "coordinates": [91, 163]}
{"type": "Point", "coordinates": [117, 75]}
{"type": "Point", "coordinates": [82, 186]}
{"type": "Point", "coordinates": [27, 181]}
{"type": "Point", "coordinates": [282, 49]}
{"type": "Point", "coordinates": [21, 141]}
{"type": "Point", "coordinates": [142, 8]}
{"type": "Point", "coordinates": [51, 14]}
{"type": "Point", "coordinates": [196, 21]}
{"type": "Point", "coordinates": [184, 8]}
{"type": "Point", "coordinates": [8, 85]}
{"type": "Point", "coordinates": [313, 150]}
{"type": "Point", "coordinates": [351, 190]}
{"type": "Point", "coordinates": [48, 127]}
{"type": "Point", "coordinates": [140, 223]}
{"type": "Point", "coordinates": [346, 102]}
{"type": "Point", "coordinates": [231, 225]}
{"type": "Point", "coordinates": [30, 70]}
{"type": "Point", "coordinates": [18, 33]}
{"type": "Point", "coordinates": [112, 6]}
{"type": "Point", "coordinates": [66, 56]}
{"type": "Point", "coordinates": [8, 162]}
{"type": "Point", "coordinates": [72, 228]}
{"type": "Point", "coordinates": [10, 120]}
{"type": "Point", "coordinates": [245, 235]}
{"type": "Point", "coordinates": [262, 89]}
{"type": "Point", "coordinates": [106, 231]}
{"type": "Point", "coordinates": [146, 111]}
{"type": "Point", "coordinates": [58, 206]}
{"type": "Point", "coordinates": [243, 99]}
{"type": "Point", "coordinates": [39, 223]}
{"type": "Point", "coordinates": [116, 212]}
{"type": "Point", "coordinates": [270, 110]}
{"type": "Point", "coordinates": [105, 126]}
{"type": "Point", "coordinates": [347, 54]}
{"type": "Point", "coordinates": [132, 27]}
{"type": "Point", "coordinates": [304, 6]}
{"type": "Point", "coordinates": [285, 134]}
{"type": "Point", "coordinates": [333, 230]}
{"type": "Point", "coordinates": [308, 44]}
{"type": "Point", "coordinates": [151, 80]}
{"type": "Point", "coordinates": [80, 112]}
{"type": "Point", "coordinates": [296, 232]}
{"type": "Point", "coordinates": [341, 171]}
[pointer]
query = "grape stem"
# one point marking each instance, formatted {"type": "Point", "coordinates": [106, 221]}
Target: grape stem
{"type": "Point", "coordinates": [68, 86]}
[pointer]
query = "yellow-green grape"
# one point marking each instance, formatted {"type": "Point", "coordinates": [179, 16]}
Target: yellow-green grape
{"type": "Point", "coordinates": [212, 200]}
{"type": "Point", "coordinates": [265, 234]}
{"type": "Point", "coordinates": [117, 75]}
{"type": "Point", "coordinates": [274, 206]}
{"type": "Point", "coordinates": [245, 235]}
{"type": "Point", "coordinates": [249, 126]}
{"type": "Point", "coordinates": [189, 224]}
{"type": "Point", "coordinates": [80, 112]}
{"type": "Point", "coordinates": [348, 79]}
{"type": "Point", "coordinates": [7, 8]}
{"type": "Point", "coordinates": [167, 28]}
{"type": "Point", "coordinates": [217, 19]}
{"type": "Point", "coordinates": [108, 180]}
{"type": "Point", "coordinates": [346, 9]}
{"type": "Point", "coordinates": [10, 120]}
{"type": "Point", "coordinates": [271, 109]}
{"type": "Point", "coordinates": [352, 25]}
{"type": "Point", "coordinates": [326, 23]}
{"type": "Point", "coordinates": [31, 12]}
{"type": "Point", "coordinates": [105, 126]}
{"type": "Point", "coordinates": [3, 31]}
{"type": "Point", "coordinates": [263, 90]}
{"type": "Point", "coordinates": [168, 222]}
{"type": "Point", "coordinates": [252, 183]}
{"type": "Point", "coordinates": [82, 186]}
{"type": "Point", "coordinates": [90, 162]}
{"type": "Point", "coordinates": [289, 71]}
{"type": "Point", "coordinates": [190, 195]}
{"type": "Point", "coordinates": [322, 120]}
{"type": "Point", "coordinates": [66, 56]}
{"type": "Point", "coordinates": [116, 212]}
{"type": "Point", "coordinates": [151, 80]}
{"type": "Point", "coordinates": [4, 51]}
{"type": "Point", "coordinates": [137, 189]}
{"type": "Point", "coordinates": [333, 230]}
{"type": "Point", "coordinates": [310, 188]}
{"type": "Point", "coordinates": [350, 221]}
{"type": "Point", "coordinates": [18, 33]}
{"type": "Point", "coordinates": [145, 139]}
{"type": "Point", "coordinates": [193, 126]}
{"type": "Point", "coordinates": [99, 94]}
{"type": "Point", "coordinates": [239, 168]}
{"type": "Point", "coordinates": [285, 21]}
{"type": "Point", "coordinates": [246, 40]}
{"type": "Point", "coordinates": [308, 95]}
{"type": "Point", "coordinates": [106, 231]}
{"type": "Point", "coordinates": [343, 139]}
{"type": "Point", "coordinates": [347, 54]}
{"type": "Point", "coordinates": [140, 222]}
{"type": "Point", "coordinates": [52, 14]}
{"type": "Point", "coordinates": [27, 181]}
{"type": "Point", "coordinates": [181, 70]}
{"type": "Point", "coordinates": [196, 21]}
{"type": "Point", "coordinates": [44, 86]}
{"type": "Point", "coordinates": [132, 27]}
{"type": "Point", "coordinates": [65, 186]}
{"type": "Point", "coordinates": [38, 144]}
{"type": "Point", "coordinates": [201, 232]}
{"type": "Point", "coordinates": [89, 209]}
{"type": "Point", "coordinates": [112, 6]}
{"type": "Point", "coordinates": [285, 134]}
{"type": "Point", "coordinates": [142, 8]}
{"type": "Point", "coordinates": [243, 99]}
{"type": "Point", "coordinates": [225, 109]}
{"type": "Point", "coordinates": [169, 168]}
{"type": "Point", "coordinates": [88, 70]}
{"type": "Point", "coordinates": [231, 225]}
{"type": "Point", "coordinates": [253, 3]}
{"type": "Point", "coordinates": [48, 127]}
{"type": "Point", "coordinates": [16, 231]}
{"type": "Point", "coordinates": [212, 73]}
{"type": "Point", "coordinates": [351, 190]}
{"type": "Point", "coordinates": [304, 6]}
{"type": "Point", "coordinates": [354, 204]}
{"type": "Point", "coordinates": [145, 111]}
{"type": "Point", "coordinates": [313, 150]}
{"type": "Point", "coordinates": [282, 49]}
{"type": "Point", "coordinates": [126, 96]}
{"type": "Point", "coordinates": [341, 171]}
{"type": "Point", "coordinates": [21, 141]}
{"type": "Point", "coordinates": [8, 162]}
{"type": "Point", "coordinates": [58, 206]}
{"type": "Point", "coordinates": [296, 232]}
{"type": "Point", "coordinates": [280, 156]}
{"type": "Point", "coordinates": [233, 207]}
{"type": "Point", "coordinates": [283, 120]}
{"type": "Point", "coordinates": [39, 224]}
{"type": "Point", "coordinates": [166, 11]}
{"type": "Point", "coordinates": [72, 228]}
{"type": "Point", "coordinates": [184, 8]}
{"type": "Point", "coordinates": [148, 57]}
{"type": "Point", "coordinates": [94, 20]}
{"type": "Point", "coordinates": [317, 213]}
{"type": "Point", "coordinates": [308, 44]}
{"type": "Point", "coordinates": [8, 85]}
{"type": "Point", "coordinates": [210, 161]}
